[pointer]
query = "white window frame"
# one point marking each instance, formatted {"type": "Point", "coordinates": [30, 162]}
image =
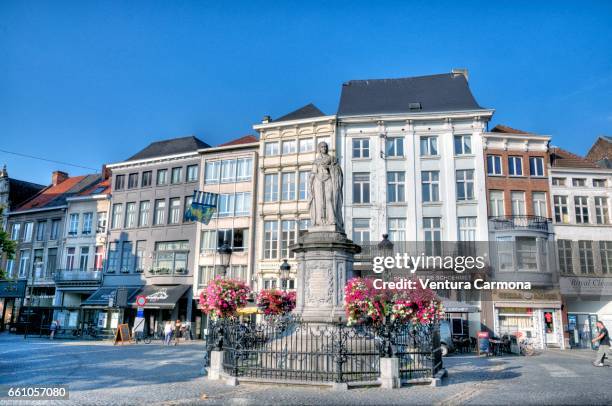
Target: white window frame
{"type": "Point", "coordinates": [430, 186]}
{"type": "Point", "coordinates": [497, 205]}
{"type": "Point", "coordinates": [361, 148]}
{"type": "Point", "coordinates": [271, 187]}
{"type": "Point", "coordinates": [428, 145]}
{"type": "Point", "coordinates": [396, 187]}
{"type": "Point", "coordinates": [537, 164]}
{"type": "Point", "coordinates": [515, 165]}
{"type": "Point", "coordinates": [465, 181]}
{"type": "Point", "coordinates": [288, 186]}
{"type": "Point", "coordinates": [289, 147]}
{"type": "Point", "coordinates": [465, 144]}
{"type": "Point", "coordinates": [271, 148]}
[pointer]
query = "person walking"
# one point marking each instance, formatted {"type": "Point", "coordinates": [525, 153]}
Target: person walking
{"type": "Point", "coordinates": [53, 329]}
{"type": "Point", "coordinates": [177, 331]}
{"type": "Point", "coordinates": [167, 333]}
{"type": "Point", "coordinates": [604, 344]}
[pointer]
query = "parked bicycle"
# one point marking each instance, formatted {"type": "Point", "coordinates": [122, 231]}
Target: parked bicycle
{"type": "Point", "coordinates": [88, 331]}
{"type": "Point", "coordinates": [526, 347]}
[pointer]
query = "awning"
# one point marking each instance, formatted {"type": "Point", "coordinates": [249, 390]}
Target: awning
{"type": "Point", "coordinates": [100, 297]}
{"type": "Point", "coordinates": [248, 310]}
{"type": "Point", "coordinates": [161, 296]}
{"type": "Point", "coordinates": [453, 306]}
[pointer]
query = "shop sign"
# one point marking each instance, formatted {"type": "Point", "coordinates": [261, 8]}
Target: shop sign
{"type": "Point", "coordinates": [516, 310]}
{"type": "Point", "coordinates": [585, 286]}
{"type": "Point", "coordinates": [533, 294]}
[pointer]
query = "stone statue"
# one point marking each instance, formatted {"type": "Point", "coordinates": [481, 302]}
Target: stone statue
{"type": "Point", "coordinates": [325, 184]}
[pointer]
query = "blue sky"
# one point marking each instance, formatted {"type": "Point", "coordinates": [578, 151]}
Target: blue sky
{"type": "Point", "coordinates": [94, 82]}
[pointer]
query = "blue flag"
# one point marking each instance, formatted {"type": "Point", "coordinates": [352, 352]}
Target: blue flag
{"type": "Point", "coordinates": [203, 207]}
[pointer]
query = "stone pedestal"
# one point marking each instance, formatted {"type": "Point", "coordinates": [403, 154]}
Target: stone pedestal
{"type": "Point", "coordinates": [389, 373]}
{"type": "Point", "coordinates": [325, 263]}
{"type": "Point", "coordinates": [216, 365]}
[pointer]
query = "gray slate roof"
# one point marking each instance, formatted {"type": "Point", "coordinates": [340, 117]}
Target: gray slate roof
{"type": "Point", "coordinates": [308, 111]}
{"type": "Point", "coordinates": [170, 147]}
{"type": "Point", "coordinates": [435, 93]}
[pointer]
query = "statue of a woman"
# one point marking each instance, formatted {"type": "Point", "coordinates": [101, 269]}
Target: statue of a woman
{"type": "Point", "coordinates": [326, 182]}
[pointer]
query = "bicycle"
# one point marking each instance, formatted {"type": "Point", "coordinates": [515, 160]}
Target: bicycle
{"type": "Point", "coordinates": [526, 347]}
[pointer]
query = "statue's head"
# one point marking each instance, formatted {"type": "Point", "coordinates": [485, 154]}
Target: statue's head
{"type": "Point", "coordinates": [323, 147]}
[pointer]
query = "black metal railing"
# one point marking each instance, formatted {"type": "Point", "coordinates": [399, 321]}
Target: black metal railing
{"type": "Point", "coordinates": [168, 272]}
{"type": "Point", "coordinates": [536, 223]}
{"type": "Point", "coordinates": [418, 350]}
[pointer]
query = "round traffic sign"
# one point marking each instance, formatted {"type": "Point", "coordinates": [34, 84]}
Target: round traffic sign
{"type": "Point", "coordinates": [141, 300]}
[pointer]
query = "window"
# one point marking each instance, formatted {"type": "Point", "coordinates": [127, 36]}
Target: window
{"type": "Point", "coordinates": [361, 148]}
{"type": "Point", "coordinates": [244, 169]}
{"type": "Point", "coordinates": [51, 261]}
{"type": "Point", "coordinates": [240, 241]}
{"type": "Point", "coordinates": [228, 171]}
{"type": "Point", "coordinates": [429, 146]}
{"type": "Point", "coordinates": [40, 230]}
{"type": "Point", "coordinates": [112, 263]}
{"type": "Point", "coordinates": [515, 166]}
{"type": "Point", "coordinates": [187, 206]}
{"type": "Point", "coordinates": [119, 182]}
{"type": "Point", "coordinates": [27, 231]}
{"type": "Point", "coordinates": [102, 219]}
{"type": "Point", "coordinates": [130, 215]}
{"type": "Point", "coordinates": [271, 148]}
{"type": "Point", "coordinates": [171, 256]}
{"type": "Point", "coordinates": [162, 177]}
{"type": "Point", "coordinates": [205, 275]}
{"type": "Point", "coordinates": [430, 186]}
{"type": "Point", "coordinates": [558, 181]}
{"type": "Point", "coordinates": [585, 252]}
{"type": "Point", "coordinates": [132, 180]}
{"type": "Point", "coordinates": [176, 176]}
{"type": "Point", "coordinates": [599, 183]}
{"type": "Point", "coordinates": [582, 209]}
{"type": "Point", "coordinates": [494, 165]}
{"type": "Point", "coordinates": [396, 187]}
{"type": "Point", "coordinates": [465, 184]}
{"type": "Point", "coordinates": [397, 229]}
{"type": "Point", "coordinates": [564, 250]}
{"type": "Point", "coordinates": [395, 146]}
{"type": "Point", "coordinates": [269, 283]}
{"type": "Point", "coordinates": [433, 235]}
{"type": "Point", "coordinates": [536, 166]}
{"type": "Point", "coordinates": [361, 187]}
{"type": "Point", "coordinates": [84, 258]}
{"type": "Point", "coordinates": [306, 144]}
{"type": "Point", "coordinates": [601, 210]}
{"type": "Point", "coordinates": [15, 231]}
{"type": "Point", "coordinates": [24, 263]}
{"type": "Point", "coordinates": [146, 178]}
{"type": "Point", "coordinates": [140, 256]}
{"type": "Point", "coordinates": [539, 204]}
{"type": "Point", "coordinates": [55, 226]}
{"type": "Point", "coordinates": [73, 228]}
{"type": "Point", "coordinates": [463, 144]}
{"type": "Point", "coordinates": [224, 236]}
{"type": "Point", "coordinates": [289, 147]}
{"type": "Point", "coordinates": [288, 237]}
{"type": "Point", "coordinates": [288, 186]}
{"type": "Point", "coordinates": [361, 231]}
{"type": "Point", "coordinates": [143, 216]}
{"type": "Point", "coordinates": [99, 258]}
{"type": "Point", "coordinates": [561, 209]}
{"type": "Point", "coordinates": [10, 268]}
{"type": "Point", "coordinates": [192, 173]}
{"type": "Point", "coordinates": [127, 257]}
{"type": "Point", "coordinates": [526, 254]}
{"type": "Point", "coordinates": [605, 252]}
{"type": "Point", "coordinates": [175, 211]}
{"type": "Point", "coordinates": [87, 222]}
{"type": "Point", "coordinates": [271, 187]}
{"type": "Point", "coordinates": [518, 203]}
{"type": "Point", "coordinates": [496, 203]}
{"type": "Point", "coordinates": [226, 205]}
{"type": "Point", "coordinates": [270, 239]}
{"type": "Point", "coordinates": [467, 228]}
{"type": "Point", "coordinates": [578, 182]}
{"type": "Point", "coordinates": [243, 204]}
{"type": "Point", "coordinates": [207, 240]}
{"type": "Point", "coordinates": [160, 212]}
{"type": "Point", "coordinates": [70, 254]}
{"type": "Point", "coordinates": [238, 272]}
{"type": "Point", "coordinates": [212, 171]}
{"type": "Point", "coordinates": [303, 185]}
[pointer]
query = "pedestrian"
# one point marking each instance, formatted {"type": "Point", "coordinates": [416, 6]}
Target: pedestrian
{"type": "Point", "coordinates": [604, 344]}
{"type": "Point", "coordinates": [53, 329]}
{"type": "Point", "coordinates": [167, 333]}
{"type": "Point", "coordinates": [177, 331]}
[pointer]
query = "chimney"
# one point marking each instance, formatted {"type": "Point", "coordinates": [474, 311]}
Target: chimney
{"type": "Point", "coordinates": [460, 71]}
{"type": "Point", "coordinates": [106, 172]}
{"type": "Point", "coordinates": [266, 120]}
{"type": "Point", "coordinates": [58, 177]}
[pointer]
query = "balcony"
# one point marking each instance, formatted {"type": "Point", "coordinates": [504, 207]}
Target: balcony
{"type": "Point", "coordinates": [76, 277]}
{"type": "Point", "coordinates": [169, 276]}
{"type": "Point", "coordinates": [520, 223]}
{"type": "Point", "coordinates": [168, 272]}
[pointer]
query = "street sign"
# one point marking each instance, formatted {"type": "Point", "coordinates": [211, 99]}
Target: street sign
{"type": "Point", "coordinates": [140, 312]}
{"type": "Point", "coordinates": [141, 300]}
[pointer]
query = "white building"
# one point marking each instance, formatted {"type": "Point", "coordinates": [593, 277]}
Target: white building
{"type": "Point", "coordinates": [581, 194]}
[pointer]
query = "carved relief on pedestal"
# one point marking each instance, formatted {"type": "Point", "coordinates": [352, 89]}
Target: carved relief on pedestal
{"type": "Point", "coordinates": [319, 283]}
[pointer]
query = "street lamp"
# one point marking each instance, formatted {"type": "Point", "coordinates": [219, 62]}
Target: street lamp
{"type": "Point", "coordinates": [386, 248]}
{"type": "Point", "coordinates": [284, 274]}
{"type": "Point", "coordinates": [225, 254]}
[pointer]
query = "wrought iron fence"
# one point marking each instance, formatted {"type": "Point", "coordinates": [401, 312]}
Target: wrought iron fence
{"type": "Point", "coordinates": [294, 350]}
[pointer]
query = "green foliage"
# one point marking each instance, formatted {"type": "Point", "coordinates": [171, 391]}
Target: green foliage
{"type": "Point", "coordinates": [7, 247]}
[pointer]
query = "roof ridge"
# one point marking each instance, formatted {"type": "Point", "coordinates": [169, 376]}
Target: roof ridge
{"type": "Point", "coordinates": [399, 78]}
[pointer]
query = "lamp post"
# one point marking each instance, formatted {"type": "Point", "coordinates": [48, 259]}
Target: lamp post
{"type": "Point", "coordinates": [386, 248]}
{"type": "Point", "coordinates": [284, 274]}
{"type": "Point", "coordinates": [225, 254]}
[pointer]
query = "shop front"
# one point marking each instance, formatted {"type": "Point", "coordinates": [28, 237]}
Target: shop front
{"type": "Point", "coordinates": [586, 301]}
{"type": "Point", "coordinates": [534, 315]}
{"type": "Point", "coordinates": [11, 299]}
{"type": "Point", "coordinates": [164, 303]}
{"type": "Point", "coordinates": [103, 311]}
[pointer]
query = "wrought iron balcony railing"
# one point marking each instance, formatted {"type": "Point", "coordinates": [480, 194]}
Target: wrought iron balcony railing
{"type": "Point", "coordinates": [535, 223]}
{"type": "Point", "coordinates": [76, 275]}
{"type": "Point", "coordinates": [168, 272]}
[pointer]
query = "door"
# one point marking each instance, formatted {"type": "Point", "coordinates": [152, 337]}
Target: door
{"type": "Point", "coordinates": [550, 327]}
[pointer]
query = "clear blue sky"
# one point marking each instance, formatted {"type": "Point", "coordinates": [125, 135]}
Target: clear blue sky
{"type": "Point", "coordinates": [92, 82]}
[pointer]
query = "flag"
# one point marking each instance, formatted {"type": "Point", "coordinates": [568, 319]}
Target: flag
{"type": "Point", "coordinates": [203, 206]}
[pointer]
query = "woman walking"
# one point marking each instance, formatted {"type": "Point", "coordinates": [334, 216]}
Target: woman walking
{"type": "Point", "coordinates": [167, 333]}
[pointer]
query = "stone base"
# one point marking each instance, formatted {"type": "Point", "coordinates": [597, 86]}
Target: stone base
{"type": "Point", "coordinates": [389, 373]}
{"type": "Point", "coordinates": [216, 365]}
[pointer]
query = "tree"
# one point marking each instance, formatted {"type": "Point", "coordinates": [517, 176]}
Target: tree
{"type": "Point", "coordinates": [7, 247]}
